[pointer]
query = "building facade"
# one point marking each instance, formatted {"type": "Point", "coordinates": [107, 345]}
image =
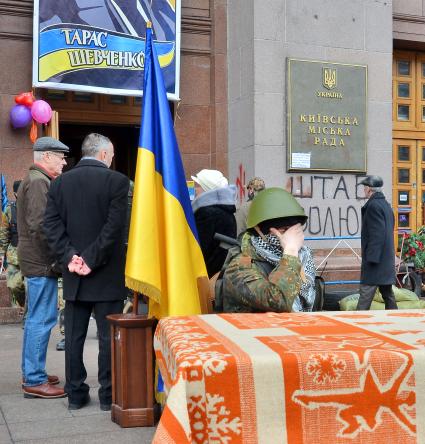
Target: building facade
{"type": "Point", "coordinates": [343, 32]}
{"type": "Point", "coordinates": [200, 116]}
{"type": "Point", "coordinates": [234, 112]}
{"type": "Point", "coordinates": [386, 37]}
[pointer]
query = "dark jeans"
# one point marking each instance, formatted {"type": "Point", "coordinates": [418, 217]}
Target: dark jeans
{"type": "Point", "coordinates": [368, 291]}
{"type": "Point", "coordinates": [77, 317]}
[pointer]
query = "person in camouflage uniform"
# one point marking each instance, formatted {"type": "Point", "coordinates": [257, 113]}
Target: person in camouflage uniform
{"type": "Point", "coordinates": [8, 249]}
{"type": "Point", "coordinates": [255, 185]}
{"type": "Point", "coordinates": [60, 346]}
{"type": "Point", "coordinates": [272, 271]}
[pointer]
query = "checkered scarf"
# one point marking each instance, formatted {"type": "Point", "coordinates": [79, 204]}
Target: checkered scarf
{"type": "Point", "coordinates": [271, 251]}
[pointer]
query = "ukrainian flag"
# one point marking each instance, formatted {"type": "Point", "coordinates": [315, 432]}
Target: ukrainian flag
{"type": "Point", "coordinates": [164, 258]}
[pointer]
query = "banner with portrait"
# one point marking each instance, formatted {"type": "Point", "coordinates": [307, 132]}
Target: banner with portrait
{"type": "Point", "coordinates": [99, 45]}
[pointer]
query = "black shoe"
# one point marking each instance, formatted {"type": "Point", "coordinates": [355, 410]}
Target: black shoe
{"type": "Point", "coordinates": [77, 406]}
{"type": "Point", "coordinates": [105, 407]}
{"type": "Point", "coordinates": [60, 346]}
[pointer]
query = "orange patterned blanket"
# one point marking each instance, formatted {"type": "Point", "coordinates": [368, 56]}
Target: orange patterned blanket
{"type": "Point", "coordinates": [352, 377]}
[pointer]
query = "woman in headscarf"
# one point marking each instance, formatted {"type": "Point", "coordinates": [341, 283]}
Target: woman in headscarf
{"type": "Point", "coordinates": [214, 208]}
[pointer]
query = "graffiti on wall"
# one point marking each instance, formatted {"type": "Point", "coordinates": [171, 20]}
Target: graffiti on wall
{"type": "Point", "coordinates": [331, 202]}
{"type": "Point", "coordinates": [334, 207]}
{"type": "Point", "coordinates": [240, 184]}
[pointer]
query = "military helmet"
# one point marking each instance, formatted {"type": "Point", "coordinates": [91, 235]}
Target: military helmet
{"type": "Point", "coordinates": [274, 203]}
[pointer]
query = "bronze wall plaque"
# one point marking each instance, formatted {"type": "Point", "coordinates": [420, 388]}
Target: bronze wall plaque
{"type": "Point", "coordinates": [327, 116]}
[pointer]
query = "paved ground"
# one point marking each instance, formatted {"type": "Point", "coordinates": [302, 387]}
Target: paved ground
{"type": "Point", "coordinates": [40, 421]}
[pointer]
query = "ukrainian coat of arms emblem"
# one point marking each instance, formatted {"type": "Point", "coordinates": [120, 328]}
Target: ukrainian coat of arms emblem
{"type": "Point", "coordinates": [329, 78]}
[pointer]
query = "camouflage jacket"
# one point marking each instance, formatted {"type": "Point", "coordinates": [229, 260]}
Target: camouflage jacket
{"type": "Point", "coordinates": [247, 287]}
{"type": "Point", "coordinates": [6, 248]}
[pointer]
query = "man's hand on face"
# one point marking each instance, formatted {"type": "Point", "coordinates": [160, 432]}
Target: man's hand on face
{"type": "Point", "coordinates": [291, 239]}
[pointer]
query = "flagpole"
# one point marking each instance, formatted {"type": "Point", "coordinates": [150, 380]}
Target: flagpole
{"type": "Point", "coordinates": [136, 295]}
{"type": "Point", "coordinates": [135, 302]}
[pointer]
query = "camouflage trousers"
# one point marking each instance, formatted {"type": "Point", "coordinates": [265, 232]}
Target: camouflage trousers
{"type": "Point", "coordinates": [15, 284]}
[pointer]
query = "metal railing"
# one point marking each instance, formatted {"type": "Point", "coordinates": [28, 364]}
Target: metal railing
{"type": "Point", "coordinates": [340, 240]}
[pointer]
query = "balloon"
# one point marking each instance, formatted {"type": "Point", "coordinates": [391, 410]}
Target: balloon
{"type": "Point", "coordinates": [33, 132]}
{"type": "Point", "coordinates": [41, 111]}
{"type": "Point", "coordinates": [26, 99]}
{"type": "Point", "coordinates": [20, 116]}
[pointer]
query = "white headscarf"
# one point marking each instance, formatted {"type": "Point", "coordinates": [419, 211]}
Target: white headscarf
{"type": "Point", "coordinates": [210, 180]}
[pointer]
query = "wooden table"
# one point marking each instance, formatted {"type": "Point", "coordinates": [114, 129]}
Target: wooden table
{"type": "Point", "coordinates": [352, 377]}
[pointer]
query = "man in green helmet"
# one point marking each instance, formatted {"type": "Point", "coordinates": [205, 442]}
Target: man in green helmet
{"type": "Point", "coordinates": [273, 271]}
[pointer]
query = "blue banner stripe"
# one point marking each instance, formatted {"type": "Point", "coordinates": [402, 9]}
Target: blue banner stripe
{"type": "Point", "coordinates": [54, 40]}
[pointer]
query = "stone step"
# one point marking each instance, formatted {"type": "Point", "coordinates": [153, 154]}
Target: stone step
{"type": "Point", "coordinates": [340, 275]}
{"type": "Point", "coordinates": [10, 315]}
{"type": "Point", "coordinates": [5, 300]}
{"type": "Point", "coordinates": [338, 267]}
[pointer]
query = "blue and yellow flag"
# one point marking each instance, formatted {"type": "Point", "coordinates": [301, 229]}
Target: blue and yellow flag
{"type": "Point", "coordinates": [164, 258]}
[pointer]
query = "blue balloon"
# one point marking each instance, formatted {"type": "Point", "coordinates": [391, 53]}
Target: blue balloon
{"type": "Point", "coordinates": [20, 116]}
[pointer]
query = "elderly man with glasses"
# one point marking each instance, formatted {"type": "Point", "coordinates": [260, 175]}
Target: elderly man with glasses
{"type": "Point", "coordinates": [37, 265]}
{"type": "Point", "coordinates": [85, 225]}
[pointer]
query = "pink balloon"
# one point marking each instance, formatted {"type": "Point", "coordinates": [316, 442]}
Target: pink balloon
{"type": "Point", "coordinates": [41, 111]}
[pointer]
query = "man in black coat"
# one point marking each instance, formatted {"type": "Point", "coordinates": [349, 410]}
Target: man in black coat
{"type": "Point", "coordinates": [85, 224]}
{"type": "Point", "coordinates": [378, 256]}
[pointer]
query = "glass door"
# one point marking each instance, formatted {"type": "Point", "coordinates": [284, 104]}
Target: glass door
{"type": "Point", "coordinates": [408, 185]}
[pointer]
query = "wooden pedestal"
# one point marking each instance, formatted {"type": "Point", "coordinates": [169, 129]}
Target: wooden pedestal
{"type": "Point", "coordinates": [133, 402]}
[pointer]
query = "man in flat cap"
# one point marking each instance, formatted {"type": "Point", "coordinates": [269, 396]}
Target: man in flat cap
{"type": "Point", "coordinates": [37, 265]}
{"type": "Point", "coordinates": [378, 255]}
{"type": "Point", "coordinates": [255, 185]}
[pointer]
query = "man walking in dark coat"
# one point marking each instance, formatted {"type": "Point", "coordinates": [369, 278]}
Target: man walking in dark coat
{"type": "Point", "coordinates": [378, 256]}
{"type": "Point", "coordinates": [85, 225]}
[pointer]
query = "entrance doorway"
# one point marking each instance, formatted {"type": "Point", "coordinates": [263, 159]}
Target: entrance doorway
{"type": "Point", "coordinates": [408, 184]}
{"type": "Point", "coordinates": [408, 141]}
{"type": "Point", "coordinates": [124, 138]}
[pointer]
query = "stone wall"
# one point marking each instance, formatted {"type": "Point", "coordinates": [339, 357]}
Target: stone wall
{"type": "Point", "coordinates": [409, 20]}
{"type": "Point", "coordinates": [15, 77]}
{"type": "Point", "coordinates": [347, 31]}
{"type": "Point", "coordinates": [201, 116]}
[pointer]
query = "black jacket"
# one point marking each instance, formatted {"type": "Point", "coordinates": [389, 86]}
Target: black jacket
{"type": "Point", "coordinates": [215, 213]}
{"type": "Point", "coordinates": [86, 215]}
{"type": "Point", "coordinates": [378, 255]}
